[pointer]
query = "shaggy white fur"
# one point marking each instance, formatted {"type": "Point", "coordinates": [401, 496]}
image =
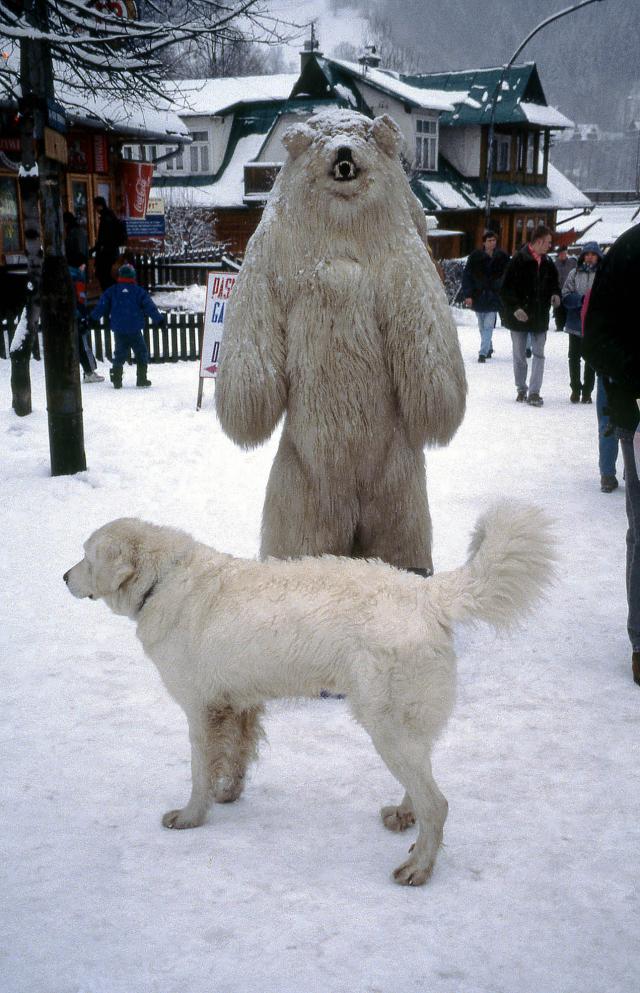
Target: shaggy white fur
{"type": "Point", "coordinates": [338, 319]}
{"type": "Point", "coordinates": [228, 634]}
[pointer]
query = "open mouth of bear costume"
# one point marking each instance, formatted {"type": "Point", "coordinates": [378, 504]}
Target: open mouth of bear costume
{"type": "Point", "coordinates": [344, 168]}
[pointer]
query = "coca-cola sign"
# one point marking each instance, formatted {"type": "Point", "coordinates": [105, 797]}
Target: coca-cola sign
{"type": "Point", "coordinates": [136, 184]}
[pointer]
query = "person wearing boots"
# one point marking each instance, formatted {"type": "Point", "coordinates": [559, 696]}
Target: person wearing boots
{"type": "Point", "coordinates": [611, 344]}
{"type": "Point", "coordinates": [112, 236]}
{"type": "Point", "coordinates": [126, 305]}
{"type": "Point", "coordinates": [575, 288]}
{"type": "Point", "coordinates": [481, 282]}
{"type": "Point", "coordinates": [529, 288]}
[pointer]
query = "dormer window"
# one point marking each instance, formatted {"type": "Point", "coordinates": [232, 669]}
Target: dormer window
{"type": "Point", "coordinates": [502, 153]}
{"type": "Point", "coordinates": [199, 151]}
{"type": "Point", "coordinates": [426, 143]}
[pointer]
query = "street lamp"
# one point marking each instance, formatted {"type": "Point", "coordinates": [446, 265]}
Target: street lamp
{"type": "Point", "coordinates": [494, 99]}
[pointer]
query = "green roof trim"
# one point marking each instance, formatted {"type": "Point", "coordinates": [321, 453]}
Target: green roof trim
{"type": "Point", "coordinates": [521, 84]}
{"type": "Point", "coordinates": [471, 192]}
{"type": "Point", "coordinates": [253, 118]}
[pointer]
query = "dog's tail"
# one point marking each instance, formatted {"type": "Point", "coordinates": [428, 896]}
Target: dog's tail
{"type": "Point", "coordinates": [511, 561]}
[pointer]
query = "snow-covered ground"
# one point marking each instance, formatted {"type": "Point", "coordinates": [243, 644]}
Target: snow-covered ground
{"type": "Point", "coordinates": [289, 890]}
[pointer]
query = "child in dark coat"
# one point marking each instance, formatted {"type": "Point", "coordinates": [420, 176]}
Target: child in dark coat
{"type": "Point", "coordinates": [126, 304]}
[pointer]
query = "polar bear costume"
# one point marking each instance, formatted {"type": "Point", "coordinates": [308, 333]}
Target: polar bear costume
{"type": "Point", "coordinates": [338, 320]}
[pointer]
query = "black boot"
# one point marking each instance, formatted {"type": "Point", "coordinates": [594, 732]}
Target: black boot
{"type": "Point", "coordinates": [115, 375]}
{"type": "Point", "coordinates": [141, 378]}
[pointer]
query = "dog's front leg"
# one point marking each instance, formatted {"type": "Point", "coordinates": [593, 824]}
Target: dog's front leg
{"type": "Point", "coordinates": [196, 810]}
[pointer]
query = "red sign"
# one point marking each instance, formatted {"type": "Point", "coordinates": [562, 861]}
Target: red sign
{"type": "Point", "coordinates": [10, 144]}
{"type": "Point", "coordinates": [100, 153]}
{"type": "Point", "coordinates": [136, 183]}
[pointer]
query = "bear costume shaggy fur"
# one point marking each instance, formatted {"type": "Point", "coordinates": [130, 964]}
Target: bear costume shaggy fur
{"type": "Point", "coordinates": [339, 321]}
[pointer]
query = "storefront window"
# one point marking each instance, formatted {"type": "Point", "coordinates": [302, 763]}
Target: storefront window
{"type": "Point", "coordinates": [9, 215]}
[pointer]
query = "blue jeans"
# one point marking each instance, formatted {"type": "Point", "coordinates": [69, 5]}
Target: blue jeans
{"type": "Point", "coordinates": [632, 495]}
{"type": "Point", "coordinates": [133, 340]}
{"type": "Point", "coordinates": [486, 324]}
{"type": "Point", "coordinates": [607, 445]}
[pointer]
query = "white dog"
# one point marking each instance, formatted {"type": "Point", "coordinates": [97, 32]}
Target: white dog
{"type": "Point", "coordinates": [228, 634]}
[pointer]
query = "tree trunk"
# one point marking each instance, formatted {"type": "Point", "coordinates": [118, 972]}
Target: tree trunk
{"type": "Point", "coordinates": [62, 374]}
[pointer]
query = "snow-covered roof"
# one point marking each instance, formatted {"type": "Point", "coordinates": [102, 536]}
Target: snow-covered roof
{"type": "Point", "coordinates": [228, 189]}
{"type": "Point", "coordinates": [212, 96]}
{"type": "Point", "coordinates": [451, 191]}
{"type": "Point", "coordinates": [144, 122]}
{"type": "Point", "coordinates": [605, 223]}
{"type": "Point", "coordinates": [385, 79]}
{"type": "Point", "coordinates": [546, 117]}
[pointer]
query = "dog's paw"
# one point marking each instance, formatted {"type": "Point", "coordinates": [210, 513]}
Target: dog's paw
{"type": "Point", "coordinates": [181, 819]}
{"type": "Point", "coordinates": [226, 789]}
{"type": "Point", "coordinates": [397, 818]}
{"type": "Point", "coordinates": [413, 873]}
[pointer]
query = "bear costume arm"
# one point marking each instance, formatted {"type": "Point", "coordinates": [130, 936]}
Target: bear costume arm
{"type": "Point", "coordinates": [423, 354]}
{"type": "Point", "coordinates": [251, 388]}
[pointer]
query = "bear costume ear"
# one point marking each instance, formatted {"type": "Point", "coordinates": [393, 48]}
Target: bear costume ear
{"type": "Point", "coordinates": [296, 138]}
{"type": "Point", "coordinates": [386, 134]}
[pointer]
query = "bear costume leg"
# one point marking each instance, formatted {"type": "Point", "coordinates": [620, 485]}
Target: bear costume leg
{"type": "Point", "coordinates": [391, 522]}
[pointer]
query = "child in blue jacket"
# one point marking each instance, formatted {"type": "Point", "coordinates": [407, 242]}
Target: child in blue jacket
{"type": "Point", "coordinates": [126, 304]}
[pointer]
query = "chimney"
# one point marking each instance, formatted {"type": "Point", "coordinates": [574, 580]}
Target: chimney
{"type": "Point", "coordinates": [369, 58]}
{"type": "Point", "coordinates": [311, 48]}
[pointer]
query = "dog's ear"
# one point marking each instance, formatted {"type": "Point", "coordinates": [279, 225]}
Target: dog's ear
{"type": "Point", "coordinates": [296, 139]}
{"type": "Point", "coordinates": [386, 134]}
{"type": "Point", "coordinates": [113, 564]}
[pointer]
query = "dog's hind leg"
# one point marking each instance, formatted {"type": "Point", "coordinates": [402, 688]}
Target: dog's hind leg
{"type": "Point", "coordinates": [407, 757]}
{"type": "Point", "coordinates": [232, 743]}
{"type": "Point", "coordinates": [201, 793]}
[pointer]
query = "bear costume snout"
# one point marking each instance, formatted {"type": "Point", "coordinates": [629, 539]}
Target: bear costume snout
{"type": "Point", "coordinates": [344, 168]}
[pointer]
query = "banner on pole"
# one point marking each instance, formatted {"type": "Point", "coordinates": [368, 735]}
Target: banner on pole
{"type": "Point", "coordinates": [219, 286]}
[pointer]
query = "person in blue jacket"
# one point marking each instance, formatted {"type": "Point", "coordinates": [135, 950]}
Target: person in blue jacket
{"type": "Point", "coordinates": [126, 304]}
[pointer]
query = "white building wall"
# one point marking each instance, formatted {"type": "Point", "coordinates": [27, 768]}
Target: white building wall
{"type": "Point", "coordinates": [461, 147]}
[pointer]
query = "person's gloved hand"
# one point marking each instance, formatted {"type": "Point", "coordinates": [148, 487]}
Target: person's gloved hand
{"type": "Point", "coordinates": [555, 301]}
{"type": "Point", "coordinates": [521, 315]}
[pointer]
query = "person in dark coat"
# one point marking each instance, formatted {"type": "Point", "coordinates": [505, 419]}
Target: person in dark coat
{"type": "Point", "coordinates": [76, 244]}
{"type": "Point", "coordinates": [529, 288]}
{"type": "Point", "coordinates": [111, 237]}
{"type": "Point", "coordinates": [126, 304]}
{"type": "Point", "coordinates": [574, 290]}
{"type": "Point", "coordinates": [481, 281]}
{"type": "Point", "coordinates": [564, 263]}
{"type": "Point", "coordinates": [612, 345]}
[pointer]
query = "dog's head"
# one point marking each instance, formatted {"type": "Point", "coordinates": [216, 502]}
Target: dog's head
{"type": "Point", "coordinates": [110, 565]}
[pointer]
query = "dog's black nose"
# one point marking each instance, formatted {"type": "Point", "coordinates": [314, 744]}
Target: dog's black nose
{"type": "Point", "coordinates": [66, 576]}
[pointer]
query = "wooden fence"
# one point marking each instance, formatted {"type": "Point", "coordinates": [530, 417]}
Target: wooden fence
{"type": "Point", "coordinates": [179, 340]}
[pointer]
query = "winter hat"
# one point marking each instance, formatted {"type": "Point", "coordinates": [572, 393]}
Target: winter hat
{"type": "Point", "coordinates": [592, 246]}
{"type": "Point", "coordinates": [126, 271]}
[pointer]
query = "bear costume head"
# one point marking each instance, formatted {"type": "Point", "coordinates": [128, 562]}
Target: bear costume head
{"type": "Point", "coordinates": [345, 159]}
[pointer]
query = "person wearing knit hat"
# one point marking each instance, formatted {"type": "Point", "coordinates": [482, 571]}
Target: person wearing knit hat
{"type": "Point", "coordinates": [575, 288]}
{"type": "Point", "coordinates": [127, 305]}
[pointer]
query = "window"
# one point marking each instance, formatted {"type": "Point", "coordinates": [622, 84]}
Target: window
{"type": "Point", "coordinates": [199, 151]}
{"type": "Point", "coordinates": [502, 153]}
{"type": "Point", "coordinates": [426, 144]}
{"type": "Point", "coordinates": [9, 218]}
{"type": "Point", "coordinates": [531, 143]}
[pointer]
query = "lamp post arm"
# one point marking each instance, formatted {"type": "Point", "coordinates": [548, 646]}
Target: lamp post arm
{"type": "Point", "coordinates": [494, 100]}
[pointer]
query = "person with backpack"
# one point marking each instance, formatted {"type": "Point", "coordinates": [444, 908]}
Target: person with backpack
{"type": "Point", "coordinates": [112, 236]}
{"type": "Point", "coordinates": [126, 305]}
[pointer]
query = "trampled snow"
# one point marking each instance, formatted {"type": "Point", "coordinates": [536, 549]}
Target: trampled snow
{"type": "Point", "coordinates": [289, 891]}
